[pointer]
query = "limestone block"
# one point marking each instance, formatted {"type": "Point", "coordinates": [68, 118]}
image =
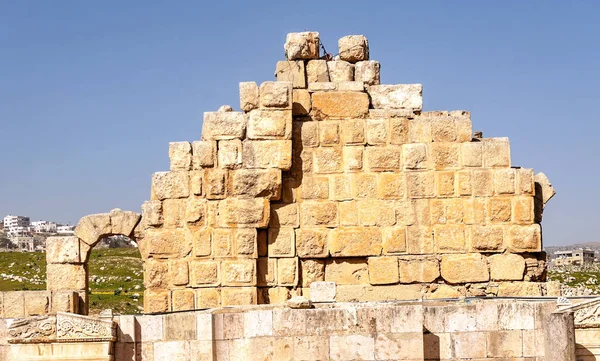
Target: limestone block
{"type": "Point", "coordinates": [496, 152]}
{"type": "Point", "coordinates": [315, 188]}
{"type": "Point", "coordinates": [525, 181]}
{"type": "Point", "coordinates": [169, 185]}
{"type": "Point", "coordinates": [463, 183]}
{"type": "Point", "coordinates": [445, 155]}
{"type": "Point", "coordinates": [524, 238]}
{"type": "Point", "coordinates": [195, 211]}
{"type": "Point", "coordinates": [519, 289]}
{"type": "Point", "coordinates": [351, 86]}
{"type": "Point", "coordinates": [291, 71]}
{"type": "Point", "coordinates": [62, 250]}
{"type": "Point", "coordinates": [281, 242]}
{"type": "Point", "coordinates": [152, 213]}
{"type": "Point", "coordinates": [14, 304]}
{"type": "Point", "coordinates": [340, 71]}
{"type": "Point", "coordinates": [234, 212]}
{"type": "Point", "coordinates": [316, 71]}
{"type": "Point", "coordinates": [507, 267]}
{"type": "Point", "coordinates": [276, 94]}
{"type": "Point", "coordinates": [419, 240]}
{"type": "Point", "coordinates": [201, 239]}
{"type": "Point", "coordinates": [355, 242]}
{"type": "Point", "coordinates": [394, 240]}
{"type": "Point", "coordinates": [348, 213]}
{"type": "Point", "coordinates": [156, 300]}
{"type": "Point", "coordinates": [487, 238]}
{"type": "Point", "coordinates": [463, 124]}
{"type": "Point", "coordinates": [180, 155]}
{"type": "Point", "coordinates": [223, 125]}
{"type": "Point", "coordinates": [156, 274]}
{"type": "Point", "coordinates": [266, 271]}
{"type": "Point", "coordinates": [183, 300]}
{"type": "Point", "coordinates": [208, 298]}
{"type": "Point", "coordinates": [312, 270]}
{"type": "Point", "coordinates": [444, 184]}
{"type": "Point", "coordinates": [322, 291]}
{"type": "Point", "coordinates": [523, 210]}
{"type": "Point", "coordinates": [353, 48]}
{"type": "Point", "coordinates": [230, 154]}
{"type": "Point", "coordinates": [472, 154]}
{"type": "Point", "coordinates": [419, 130]}
{"type": "Point", "coordinates": [246, 240]}
{"type": "Point", "coordinates": [391, 185]}
{"type": "Point", "coordinates": [237, 296]}
{"type": "Point", "coordinates": [301, 104]}
{"type": "Point", "coordinates": [418, 269]}
{"type": "Point", "coordinates": [543, 188]}
{"type": "Point", "coordinates": [205, 273]}
{"type": "Point", "coordinates": [312, 242]}
{"type": "Point", "coordinates": [256, 183]}
{"type": "Point", "coordinates": [401, 96]}
{"type": "Point", "coordinates": [222, 242]}
{"type": "Point", "coordinates": [368, 293]}
{"type": "Point", "coordinates": [390, 346]}
{"type": "Point", "coordinates": [352, 347]}
{"type": "Point", "coordinates": [504, 181]}
{"type": "Point", "coordinates": [174, 212]}
{"type": "Point", "coordinates": [319, 213]}
{"type": "Point", "coordinates": [196, 181]}
{"type": "Point", "coordinates": [328, 105]}
{"type": "Point", "coordinates": [62, 301]}
{"type": "Point", "coordinates": [287, 272]}
{"type": "Point", "coordinates": [463, 268]}
{"type": "Point", "coordinates": [420, 184]}
{"type": "Point", "coordinates": [443, 129]}
{"type": "Point", "coordinates": [399, 131]}
{"type": "Point", "coordinates": [377, 131]}
{"type": "Point", "coordinates": [249, 98]}
{"type": "Point", "coordinates": [449, 238]}
{"type": "Point", "coordinates": [306, 134]}
{"type": "Point", "coordinates": [203, 154]}
{"type": "Point", "coordinates": [321, 87]}
{"type": "Point", "coordinates": [268, 154]}
{"type": "Point", "coordinates": [482, 182]}
{"type": "Point", "coordinates": [383, 270]}
{"type": "Point", "coordinates": [347, 271]}
{"type": "Point", "coordinates": [367, 72]}
{"type": "Point", "coordinates": [270, 124]}
{"type": "Point", "coordinates": [239, 272]}
{"type": "Point", "coordinates": [92, 228]}
{"type": "Point", "coordinates": [329, 133]}
{"type": "Point", "coordinates": [380, 159]}
{"type": "Point", "coordinates": [414, 156]}
{"type": "Point", "coordinates": [353, 158]}
{"type": "Point", "coordinates": [376, 212]}
{"type": "Point", "coordinates": [37, 303]}
{"type": "Point", "coordinates": [284, 214]}
{"type": "Point", "coordinates": [179, 272]}
{"type": "Point", "coordinates": [165, 243]}
{"type": "Point", "coordinates": [505, 343]}
{"type": "Point", "coordinates": [66, 277]}
{"type": "Point", "coordinates": [303, 45]}
{"type": "Point", "coordinates": [500, 209]}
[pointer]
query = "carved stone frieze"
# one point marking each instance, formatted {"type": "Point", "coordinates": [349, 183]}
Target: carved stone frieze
{"type": "Point", "coordinates": [37, 329]}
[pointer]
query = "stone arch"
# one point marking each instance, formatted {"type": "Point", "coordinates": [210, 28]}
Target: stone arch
{"type": "Point", "coordinates": [67, 257]}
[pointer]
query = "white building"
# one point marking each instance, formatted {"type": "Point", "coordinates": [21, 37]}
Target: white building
{"type": "Point", "coordinates": [65, 229]}
{"type": "Point", "coordinates": [16, 225]}
{"type": "Point", "coordinates": [43, 227]}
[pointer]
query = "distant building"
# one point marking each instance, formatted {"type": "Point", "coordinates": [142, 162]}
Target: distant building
{"type": "Point", "coordinates": [29, 244]}
{"type": "Point", "coordinates": [65, 229]}
{"type": "Point", "coordinates": [574, 257]}
{"type": "Point", "coordinates": [16, 225]}
{"type": "Point", "coordinates": [43, 227]}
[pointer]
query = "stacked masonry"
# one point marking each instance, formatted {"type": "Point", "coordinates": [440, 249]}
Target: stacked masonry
{"type": "Point", "coordinates": [326, 175]}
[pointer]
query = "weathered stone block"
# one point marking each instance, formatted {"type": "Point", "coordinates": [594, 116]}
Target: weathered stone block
{"type": "Point", "coordinates": [420, 184]}
{"type": "Point", "coordinates": [449, 238]}
{"type": "Point", "coordinates": [276, 94]}
{"type": "Point", "coordinates": [316, 71]}
{"type": "Point", "coordinates": [353, 48]}
{"type": "Point", "coordinates": [482, 181]}
{"type": "Point", "coordinates": [525, 181]}
{"type": "Point", "coordinates": [519, 289]}
{"type": "Point", "coordinates": [208, 298]}
{"type": "Point", "coordinates": [249, 98]}
{"type": "Point", "coordinates": [523, 210]}
{"type": "Point", "coordinates": [444, 184]}
{"type": "Point", "coordinates": [414, 156]}
{"type": "Point", "coordinates": [504, 181]}
{"type": "Point", "coordinates": [284, 215]}
{"type": "Point", "coordinates": [327, 105]}
{"type": "Point", "coordinates": [156, 274]}
{"type": "Point", "coordinates": [500, 209]}
{"type": "Point", "coordinates": [270, 124]}
{"type": "Point", "coordinates": [170, 185]}
{"type": "Point", "coordinates": [487, 238]}
{"type": "Point", "coordinates": [237, 296]}
{"type": "Point", "coordinates": [312, 270]}
{"type": "Point", "coordinates": [329, 133]}
{"type": "Point", "coordinates": [63, 250]}
{"type": "Point", "coordinates": [383, 158]}
{"type": "Point", "coordinates": [352, 347]}
{"type": "Point", "coordinates": [205, 273]}
{"type": "Point", "coordinates": [180, 155]}
{"type": "Point", "coordinates": [352, 86]}
{"type": "Point", "coordinates": [355, 242]}
{"type": "Point", "coordinates": [377, 131]}
{"type": "Point", "coordinates": [66, 276]}
{"type": "Point", "coordinates": [195, 211]}
{"type": "Point", "coordinates": [301, 104]}
{"type": "Point", "coordinates": [463, 268]}
{"type": "Point", "coordinates": [174, 213]}
{"type": "Point", "coordinates": [496, 152]}
{"type": "Point", "coordinates": [505, 344]}
{"type": "Point", "coordinates": [322, 87]}
{"type": "Point", "coordinates": [507, 267]}
{"type": "Point", "coordinates": [230, 154]}
{"type": "Point", "coordinates": [394, 240]}
{"type": "Point", "coordinates": [152, 213]}
{"type": "Point", "coordinates": [419, 240]}
{"type": "Point", "coordinates": [401, 96]}
{"type": "Point", "coordinates": [266, 271]}
{"type": "Point", "coordinates": [419, 130]}
{"type": "Point", "coordinates": [472, 154]}
{"type": "Point", "coordinates": [239, 272]}
{"type": "Point", "coordinates": [367, 72]}
{"type": "Point", "coordinates": [353, 158]}
{"type": "Point", "coordinates": [287, 272]}
{"type": "Point", "coordinates": [319, 213]}
{"type": "Point", "coordinates": [383, 270]}
{"type": "Point", "coordinates": [256, 183]}
{"type": "Point", "coordinates": [314, 188]}
{"type": "Point", "coordinates": [445, 155]}
{"type": "Point", "coordinates": [347, 271]}
{"type": "Point", "coordinates": [156, 300]}
{"type": "Point", "coordinates": [391, 185]}
{"type": "Point", "coordinates": [418, 269]}
{"type": "Point", "coordinates": [524, 238]}
{"type": "Point", "coordinates": [303, 45]}
{"type": "Point", "coordinates": [246, 240]}
{"type": "Point", "coordinates": [376, 212]}
{"type": "Point", "coordinates": [291, 71]}
{"type": "Point", "coordinates": [312, 242]}
{"type": "Point", "coordinates": [165, 243]}
{"type": "Point", "coordinates": [281, 242]}
{"type": "Point", "coordinates": [37, 303]}
{"type": "Point", "coordinates": [183, 300]}
{"type": "Point", "coordinates": [341, 188]}
{"type": "Point", "coordinates": [340, 71]}
{"type": "Point", "coordinates": [234, 212]}
{"type": "Point", "coordinates": [201, 238]}
{"type": "Point", "coordinates": [268, 154]}
{"type": "Point", "coordinates": [348, 213]}
{"type": "Point", "coordinates": [223, 125]}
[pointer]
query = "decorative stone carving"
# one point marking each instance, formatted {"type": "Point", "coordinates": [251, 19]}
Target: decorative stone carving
{"type": "Point", "coordinates": [586, 314]}
{"type": "Point", "coordinates": [71, 327]}
{"type": "Point", "coordinates": [38, 329]}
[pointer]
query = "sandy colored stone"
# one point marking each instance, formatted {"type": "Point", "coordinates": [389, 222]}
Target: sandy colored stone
{"type": "Point", "coordinates": [383, 270]}
{"type": "Point", "coordinates": [269, 124]}
{"type": "Point", "coordinates": [215, 183]}
{"type": "Point", "coordinates": [368, 293]}
{"type": "Point", "coordinates": [321, 87]}
{"type": "Point", "coordinates": [208, 298]}
{"type": "Point", "coordinates": [281, 242]}
{"type": "Point", "coordinates": [276, 94]}
{"type": "Point", "coordinates": [329, 133]}
{"type": "Point", "coordinates": [327, 105]}
{"type": "Point", "coordinates": [156, 300]}
{"type": "Point", "coordinates": [179, 272]}
{"type": "Point", "coordinates": [37, 303]}
{"type": "Point", "coordinates": [472, 154]}
{"type": "Point", "coordinates": [419, 240]}
{"type": "Point", "coordinates": [284, 215]}
{"type": "Point", "coordinates": [94, 227]}
{"type": "Point", "coordinates": [463, 183]}
{"type": "Point", "coordinates": [420, 184]}
{"type": "Point", "coordinates": [205, 273]}
{"type": "Point", "coordinates": [287, 272]}
{"type": "Point", "coordinates": [418, 269]}
{"type": "Point", "coordinates": [353, 158]}
{"type": "Point", "coordinates": [340, 71]}
{"type": "Point", "coordinates": [249, 98]}
{"type": "Point", "coordinates": [165, 243]}
{"type": "Point", "coordinates": [377, 131]}
{"type": "Point", "coordinates": [152, 213]}
{"type": "Point", "coordinates": [301, 104]}
{"type": "Point", "coordinates": [401, 96]}
{"type": "Point", "coordinates": [500, 209]}
{"type": "Point", "coordinates": [376, 212]}
{"type": "Point", "coordinates": [316, 71]}
{"type": "Point", "coordinates": [347, 271]}
{"type": "Point", "coordinates": [266, 271]}
{"type": "Point", "coordinates": [445, 155]}
{"type": "Point", "coordinates": [303, 45]}
{"type": "Point", "coordinates": [291, 71]}
{"type": "Point", "coordinates": [445, 184]}
{"type": "Point", "coordinates": [174, 213]}
{"type": "Point", "coordinates": [63, 250]}
{"type": "Point", "coordinates": [519, 289]}
{"type": "Point", "coordinates": [355, 242]}
{"type": "Point", "coordinates": [180, 155]}
{"type": "Point", "coordinates": [394, 240]}
{"type": "Point", "coordinates": [449, 238]}
{"type": "Point", "coordinates": [312, 242]}
{"type": "Point", "coordinates": [523, 210]}
{"type": "Point", "coordinates": [234, 212]}
{"type": "Point", "coordinates": [525, 181]}
{"type": "Point", "coordinates": [543, 188]}
{"type": "Point", "coordinates": [507, 267]}
{"type": "Point", "coordinates": [353, 48]}
{"type": "Point", "coordinates": [414, 156]}
{"type": "Point", "coordinates": [353, 86]}
{"type": "Point", "coordinates": [201, 239]}
{"type": "Point", "coordinates": [66, 276]}
{"type": "Point", "coordinates": [380, 159]}
{"type": "Point", "coordinates": [156, 274]}
{"type": "Point", "coordinates": [463, 268]}
{"type": "Point", "coordinates": [223, 125]}
{"type": "Point", "coordinates": [256, 183]}
{"type": "Point", "coordinates": [268, 154]}
{"type": "Point", "coordinates": [367, 72]}
{"type": "Point", "coordinates": [487, 238]}
{"type": "Point", "coordinates": [237, 296]}
{"type": "Point", "coordinates": [229, 154]}
{"type": "Point", "coordinates": [504, 181]}
{"type": "Point", "coordinates": [170, 185]}
{"type": "Point", "coordinates": [239, 272]}
{"type": "Point", "coordinates": [524, 238]}
{"type": "Point", "coordinates": [183, 300]}
{"type": "Point", "coordinates": [391, 185]}
{"type": "Point", "coordinates": [496, 152]}
{"type": "Point", "coordinates": [318, 213]}
{"type": "Point", "coordinates": [312, 270]}
{"type": "Point", "coordinates": [482, 181]}
{"type": "Point", "coordinates": [341, 188]}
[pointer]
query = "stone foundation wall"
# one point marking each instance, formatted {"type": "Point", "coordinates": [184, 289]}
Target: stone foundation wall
{"type": "Point", "coordinates": [18, 304]}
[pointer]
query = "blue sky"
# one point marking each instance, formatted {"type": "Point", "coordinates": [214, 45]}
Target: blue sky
{"type": "Point", "coordinates": [91, 93]}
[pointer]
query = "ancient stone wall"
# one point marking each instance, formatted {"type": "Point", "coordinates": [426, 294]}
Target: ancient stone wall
{"type": "Point", "coordinates": [327, 175]}
{"type": "Point", "coordinates": [16, 304]}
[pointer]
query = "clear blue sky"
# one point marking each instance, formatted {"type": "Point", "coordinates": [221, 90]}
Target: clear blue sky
{"type": "Point", "coordinates": [91, 93]}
